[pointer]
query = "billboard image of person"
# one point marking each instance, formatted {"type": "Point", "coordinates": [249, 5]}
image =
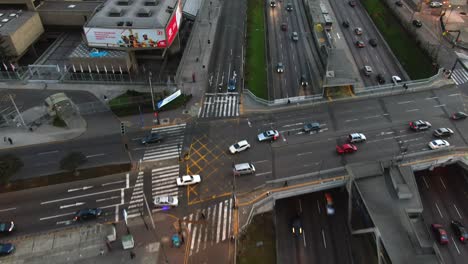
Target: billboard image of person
{"type": "Point", "coordinates": [126, 38]}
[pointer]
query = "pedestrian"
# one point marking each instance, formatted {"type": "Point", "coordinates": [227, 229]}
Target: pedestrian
{"type": "Point", "coordinates": [102, 252]}
{"type": "Point", "coordinates": [285, 183]}
{"type": "Point", "coordinates": [4, 139]}
{"type": "Point", "coordinates": [10, 140]}
{"type": "Point", "coordinates": [132, 255]}
{"type": "Point", "coordinates": [203, 216]}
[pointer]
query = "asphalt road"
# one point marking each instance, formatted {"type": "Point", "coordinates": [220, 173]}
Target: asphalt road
{"type": "Point", "coordinates": [379, 58]}
{"type": "Point", "coordinates": [443, 193]}
{"type": "Point", "coordinates": [325, 238]}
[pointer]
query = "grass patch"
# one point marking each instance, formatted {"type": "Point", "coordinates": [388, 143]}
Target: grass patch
{"type": "Point", "coordinates": [413, 58]}
{"type": "Point", "coordinates": [260, 231]}
{"type": "Point", "coordinates": [255, 74]}
{"type": "Point", "coordinates": [132, 102]}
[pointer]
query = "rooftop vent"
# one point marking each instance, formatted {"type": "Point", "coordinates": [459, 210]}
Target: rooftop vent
{"type": "Point", "coordinates": [124, 2]}
{"type": "Point", "coordinates": [129, 23]}
{"type": "Point", "coordinates": [144, 12]}
{"type": "Point", "coordinates": [151, 3]}
{"type": "Point", "coordinates": [116, 12]}
{"type": "Point", "coordinates": [120, 23]}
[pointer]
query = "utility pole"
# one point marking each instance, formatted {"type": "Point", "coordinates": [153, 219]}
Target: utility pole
{"type": "Point", "coordinates": [17, 110]}
{"type": "Point", "coordinates": [156, 114]}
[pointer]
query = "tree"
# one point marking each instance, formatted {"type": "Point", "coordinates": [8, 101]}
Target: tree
{"type": "Point", "coordinates": [72, 161]}
{"type": "Point", "coordinates": [9, 165]}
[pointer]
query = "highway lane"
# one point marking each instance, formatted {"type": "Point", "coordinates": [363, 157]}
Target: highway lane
{"type": "Point", "coordinates": [379, 58]}
{"type": "Point", "coordinates": [443, 193]}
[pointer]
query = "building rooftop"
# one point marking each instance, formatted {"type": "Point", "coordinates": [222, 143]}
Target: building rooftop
{"type": "Point", "coordinates": [11, 20]}
{"type": "Point", "coordinates": [66, 6]}
{"type": "Point", "coordinates": [143, 14]}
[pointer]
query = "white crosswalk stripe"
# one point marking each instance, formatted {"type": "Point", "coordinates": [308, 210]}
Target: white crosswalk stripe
{"type": "Point", "coordinates": [163, 181]}
{"type": "Point", "coordinates": [169, 148]}
{"type": "Point", "coordinates": [214, 228]}
{"type": "Point", "coordinates": [136, 201]}
{"type": "Point", "coordinates": [220, 105]}
{"type": "Point", "coordinates": [460, 76]}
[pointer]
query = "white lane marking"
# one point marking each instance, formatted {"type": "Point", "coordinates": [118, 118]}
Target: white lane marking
{"type": "Point", "coordinates": [443, 184]}
{"type": "Point", "coordinates": [304, 153]}
{"type": "Point", "coordinates": [78, 196]}
{"type": "Point", "coordinates": [248, 122]}
{"type": "Point", "coordinates": [66, 222]}
{"type": "Point", "coordinates": [225, 219]}
{"type": "Point", "coordinates": [71, 205]}
{"type": "Point", "coordinates": [405, 102]}
{"type": "Point", "coordinates": [318, 207]}
{"type": "Point", "coordinates": [260, 161]}
{"type": "Point", "coordinates": [441, 105]}
{"type": "Point", "coordinates": [458, 212]}
{"type": "Point", "coordinates": [208, 215]}
{"type": "Point", "coordinates": [107, 198]}
{"type": "Point", "coordinates": [441, 216]}
{"type": "Point", "coordinates": [457, 94]}
{"type": "Point", "coordinates": [127, 181]}
{"type": "Point", "coordinates": [194, 233]}
{"type": "Point", "coordinates": [116, 214]}
{"type": "Point", "coordinates": [48, 152]}
{"type": "Point", "coordinates": [324, 240]}
{"type": "Point", "coordinates": [338, 35]}
{"type": "Point", "coordinates": [218, 228]}
{"type": "Point", "coordinates": [95, 155]}
{"type": "Point", "coordinates": [303, 236]}
{"type": "Point", "coordinates": [412, 110]}
{"type": "Point", "coordinates": [8, 209]}
{"type": "Point", "coordinates": [55, 216]}
{"type": "Point", "coordinates": [84, 188]}
{"type": "Point", "coordinates": [290, 125]}
{"type": "Point", "coordinates": [351, 120]}
{"type": "Point", "coordinates": [369, 117]}
{"type": "Point", "coordinates": [114, 182]}
{"type": "Point", "coordinates": [455, 244]}
{"type": "Point", "coordinates": [262, 173]}
{"type": "Point", "coordinates": [429, 98]}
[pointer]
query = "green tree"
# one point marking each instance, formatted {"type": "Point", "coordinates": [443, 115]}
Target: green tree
{"type": "Point", "coordinates": [9, 165]}
{"type": "Point", "coordinates": [72, 161]}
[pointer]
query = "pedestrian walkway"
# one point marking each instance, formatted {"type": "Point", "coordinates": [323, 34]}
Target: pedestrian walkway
{"type": "Point", "coordinates": [136, 201]}
{"type": "Point", "coordinates": [163, 181]}
{"type": "Point", "coordinates": [460, 76]}
{"type": "Point", "coordinates": [170, 146]}
{"type": "Point", "coordinates": [220, 105]}
{"type": "Point", "coordinates": [209, 226]}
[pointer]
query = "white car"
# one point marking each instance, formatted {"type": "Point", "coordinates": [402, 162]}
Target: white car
{"type": "Point", "coordinates": [438, 143]}
{"type": "Point", "coordinates": [435, 4]}
{"type": "Point", "coordinates": [396, 79]}
{"type": "Point", "coordinates": [356, 137]}
{"type": "Point", "coordinates": [162, 201]}
{"type": "Point", "coordinates": [188, 180]}
{"type": "Point", "coordinates": [239, 146]}
{"type": "Point", "coordinates": [268, 135]}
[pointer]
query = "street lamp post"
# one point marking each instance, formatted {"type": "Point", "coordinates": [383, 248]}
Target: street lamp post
{"type": "Point", "coordinates": [156, 113]}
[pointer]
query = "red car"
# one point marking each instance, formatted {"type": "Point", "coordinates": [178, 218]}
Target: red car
{"type": "Point", "coordinates": [440, 234]}
{"type": "Point", "coordinates": [346, 148]}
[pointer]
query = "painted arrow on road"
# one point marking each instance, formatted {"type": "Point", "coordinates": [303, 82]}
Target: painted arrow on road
{"type": "Point", "coordinates": [71, 205]}
{"type": "Point", "coordinates": [80, 189]}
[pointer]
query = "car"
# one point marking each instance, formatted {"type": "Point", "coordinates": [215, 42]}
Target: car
{"type": "Point", "coordinates": [232, 84]}
{"type": "Point", "coordinates": [345, 24]}
{"type": "Point", "coordinates": [296, 226]}
{"type": "Point", "coordinates": [314, 126]}
{"type": "Point", "coordinates": [356, 138]}
{"type": "Point", "coordinates": [435, 4]}
{"type": "Point", "coordinates": [360, 44]}
{"type": "Point", "coordinates": [239, 147]}
{"type": "Point", "coordinates": [399, 3]}
{"type": "Point", "coordinates": [443, 132]}
{"type": "Point", "coordinates": [165, 201]}
{"type": "Point", "coordinates": [87, 214]}
{"type": "Point", "coordinates": [289, 7]}
{"type": "Point", "coordinates": [419, 125]}
{"type": "Point", "coordinates": [151, 138]}
{"type": "Point", "coordinates": [346, 148]}
{"type": "Point", "coordinates": [367, 70]}
{"type": "Point", "coordinates": [438, 144]}
{"type": "Point", "coordinates": [417, 23]}
{"type": "Point", "coordinates": [304, 81]}
{"type": "Point", "coordinates": [329, 204]}
{"type": "Point", "coordinates": [279, 67]}
{"type": "Point", "coordinates": [373, 42]}
{"type": "Point", "coordinates": [380, 79]}
{"type": "Point", "coordinates": [458, 116]}
{"type": "Point", "coordinates": [284, 27]}
{"type": "Point", "coordinates": [272, 3]}
{"type": "Point", "coordinates": [352, 3]}
{"type": "Point", "coordinates": [268, 135]}
{"type": "Point", "coordinates": [6, 249]}
{"type": "Point", "coordinates": [440, 234]}
{"type": "Point", "coordinates": [459, 231]}
{"type": "Point", "coordinates": [7, 227]}
{"type": "Point", "coordinates": [358, 31]}
{"type": "Point", "coordinates": [188, 180]}
{"type": "Point", "coordinates": [294, 36]}
{"type": "Point", "coordinates": [396, 79]}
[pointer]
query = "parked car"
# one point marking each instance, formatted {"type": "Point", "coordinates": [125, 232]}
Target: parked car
{"type": "Point", "coordinates": [296, 225]}
{"type": "Point", "coordinates": [459, 230]}
{"type": "Point", "coordinates": [329, 204]}
{"type": "Point", "coordinates": [399, 3]}
{"type": "Point", "coordinates": [151, 138]}
{"type": "Point", "coordinates": [358, 31]}
{"type": "Point", "coordinates": [360, 44]}
{"type": "Point", "coordinates": [239, 147]}
{"type": "Point", "coordinates": [458, 116]}
{"type": "Point", "coordinates": [373, 42]}
{"type": "Point", "coordinates": [346, 148]}
{"type": "Point", "coordinates": [352, 3]}
{"type": "Point", "coordinates": [232, 84]}
{"type": "Point", "coordinates": [443, 132]}
{"type": "Point", "coordinates": [87, 214]}
{"type": "Point", "coordinates": [289, 7]}
{"type": "Point", "coordinates": [419, 125]}
{"type": "Point", "coordinates": [438, 144]}
{"type": "Point", "coordinates": [345, 24]}
{"type": "Point", "coordinates": [440, 234]}
{"type": "Point", "coordinates": [268, 135]}
{"type": "Point", "coordinates": [314, 126]}
{"type": "Point", "coordinates": [417, 23]}
{"type": "Point", "coordinates": [284, 27]}
{"type": "Point", "coordinates": [356, 138]}
{"type": "Point", "coordinates": [380, 79]}
{"type": "Point", "coordinates": [435, 4]}
{"type": "Point", "coordinates": [279, 67]}
{"type": "Point", "coordinates": [188, 180]}
{"type": "Point", "coordinates": [165, 201]}
{"type": "Point", "coordinates": [7, 227]}
{"type": "Point", "coordinates": [294, 36]}
{"type": "Point", "coordinates": [367, 70]}
{"type": "Point", "coordinates": [6, 249]}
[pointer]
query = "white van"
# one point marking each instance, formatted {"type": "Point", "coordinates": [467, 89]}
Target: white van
{"type": "Point", "coordinates": [244, 168]}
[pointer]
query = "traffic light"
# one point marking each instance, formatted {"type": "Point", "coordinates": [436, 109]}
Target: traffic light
{"type": "Point", "coordinates": [122, 128]}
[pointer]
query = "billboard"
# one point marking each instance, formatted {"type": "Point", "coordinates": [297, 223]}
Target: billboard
{"type": "Point", "coordinates": [173, 25]}
{"type": "Point", "coordinates": [126, 38]}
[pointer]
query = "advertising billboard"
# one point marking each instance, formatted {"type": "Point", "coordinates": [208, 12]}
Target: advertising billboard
{"type": "Point", "coordinates": [173, 25]}
{"type": "Point", "coordinates": [126, 38]}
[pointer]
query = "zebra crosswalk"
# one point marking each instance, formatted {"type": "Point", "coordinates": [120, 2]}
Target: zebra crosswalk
{"type": "Point", "coordinates": [163, 181]}
{"type": "Point", "coordinates": [136, 201]}
{"type": "Point", "coordinates": [220, 105]}
{"type": "Point", "coordinates": [170, 146]}
{"type": "Point", "coordinates": [209, 226]}
{"type": "Point", "coordinates": [460, 76]}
